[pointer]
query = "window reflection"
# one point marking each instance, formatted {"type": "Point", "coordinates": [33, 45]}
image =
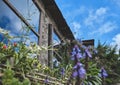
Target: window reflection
{"type": "Point", "coordinates": [9, 21]}
{"type": "Point", "coordinates": [56, 40]}
{"type": "Point", "coordinates": [28, 10]}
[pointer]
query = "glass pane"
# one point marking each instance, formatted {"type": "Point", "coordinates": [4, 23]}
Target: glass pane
{"type": "Point", "coordinates": [27, 39]}
{"type": "Point", "coordinates": [9, 21]}
{"type": "Point", "coordinates": [56, 40]}
{"type": "Point", "coordinates": [28, 10]}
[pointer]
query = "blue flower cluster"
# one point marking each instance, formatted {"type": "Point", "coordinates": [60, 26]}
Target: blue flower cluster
{"type": "Point", "coordinates": [87, 52]}
{"type": "Point", "coordinates": [103, 73]}
{"type": "Point", "coordinates": [77, 54]}
{"type": "Point", "coordinates": [62, 71]}
{"type": "Point", "coordinates": [46, 81]}
{"type": "Point", "coordinates": [78, 69]}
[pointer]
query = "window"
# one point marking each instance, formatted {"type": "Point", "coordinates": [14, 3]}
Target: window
{"type": "Point", "coordinates": [56, 40]}
{"type": "Point", "coordinates": [28, 10]}
{"type": "Point", "coordinates": [9, 21]}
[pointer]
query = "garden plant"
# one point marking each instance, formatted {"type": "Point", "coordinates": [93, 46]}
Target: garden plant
{"type": "Point", "coordinates": [80, 65]}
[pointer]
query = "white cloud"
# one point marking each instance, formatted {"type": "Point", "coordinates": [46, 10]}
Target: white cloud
{"type": "Point", "coordinates": [105, 28]}
{"type": "Point", "coordinates": [74, 12]}
{"type": "Point", "coordinates": [98, 23]}
{"type": "Point", "coordinates": [96, 16]}
{"type": "Point", "coordinates": [117, 2]}
{"type": "Point", "coordinates": [76, 29]}
{"type": "Point", "coordinates": [79, 11]}
{"type": "Point", "coordinates": [116, 41]}
{"type": "Point", "coordinates": [101, 11]}
{"type": "Point", "coordinates": [76, 25]}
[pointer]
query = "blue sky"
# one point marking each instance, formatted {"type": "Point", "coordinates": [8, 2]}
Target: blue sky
{"type": "Point", "coordinates": [88, 19]}
{"type": "Point", "coordinates": [93, 19]}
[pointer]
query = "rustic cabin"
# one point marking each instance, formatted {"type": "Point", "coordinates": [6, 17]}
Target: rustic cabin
{"type": "Point", "coordinates": [50, 21]}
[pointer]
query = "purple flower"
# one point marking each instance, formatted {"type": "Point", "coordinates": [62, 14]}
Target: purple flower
{"type": "Point", "coordinates": [73, 53]}
{"type": "Point", "coordinates": [46, 81]}
{"type": "Point", "coordinates": [82, 72]}
{"type": "Point", "coordinates": [76, 49]}
{"type": "Point", "coordinates": [103, 73]}
{"type": "Point", "coordinates": [77, 65]}
{"type": "Point", "coordinates": [76, 53]}
{"type": "Point", "coordinates": [78, 56]}
{"type": "Point", "coordinates": [62, 71]}
{"type": "Point", "coordinates": [79, 70]}
{"type": "Point", "coordinates": [74, 74]}
{"type": "Point", "coordinates": [87, 53]}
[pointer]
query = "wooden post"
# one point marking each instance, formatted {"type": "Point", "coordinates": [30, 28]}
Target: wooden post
{"type": "Point", "coordinates": [50, 44]}
{"type": "Point", "coordinates": [41, 23]}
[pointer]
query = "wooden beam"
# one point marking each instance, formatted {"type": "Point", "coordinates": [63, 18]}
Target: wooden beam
{"type": "Point", "coordinates": [88, 42]}
{"type": "Point", "coordinates": [41, 23]}
{"type": "Point", "coordinates": [41, 8]}
{"type": "Point", "coordinates": [59, 58]}
{"type": "Point", "coordinates": [39, 5]}
{"type": "Point", "coordinates": [50, 44]}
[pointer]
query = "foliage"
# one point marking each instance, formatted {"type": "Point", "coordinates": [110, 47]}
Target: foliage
{"type": "Point", "coordinates": [92, 72]}
{"type": "Point", "coordinates": [108, 58]}
{"type": "Point", "coordinates": [92, 77]}
{"type": "Point", "coordinates": [9, 79]}
{"type": "Point", "coordinates": [105, 56]}
{"type": "Point", "coordinates": [22, 60]}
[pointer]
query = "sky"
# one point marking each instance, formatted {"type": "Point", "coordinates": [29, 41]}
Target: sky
{"type": "Point", "coordinates": [87, 19]}
{"type": "Point", "coordinates": [93, 19]}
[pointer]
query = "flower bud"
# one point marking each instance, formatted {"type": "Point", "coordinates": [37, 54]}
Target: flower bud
{"type": "Point", "coordinates": [15, 44]}
{"type": "Point", "coordinates": [4, 47]}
